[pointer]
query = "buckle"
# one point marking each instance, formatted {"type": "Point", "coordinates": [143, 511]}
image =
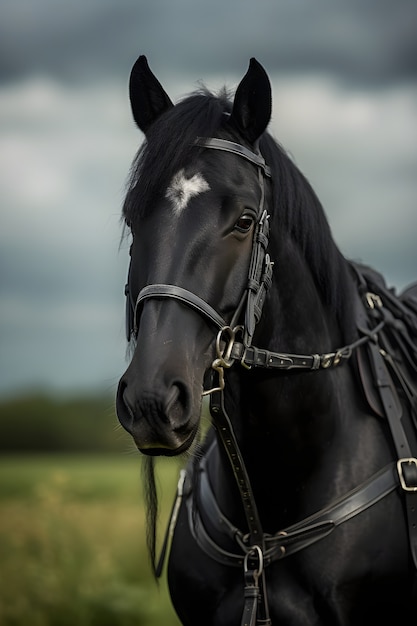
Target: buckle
{"type": "Point", "coordinates": [400, 464]}
{"type": "Point", "coordinates": [373, 300]}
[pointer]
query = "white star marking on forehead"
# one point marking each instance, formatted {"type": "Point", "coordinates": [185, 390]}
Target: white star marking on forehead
{"type": "Point", "coordinates": [182, 189]}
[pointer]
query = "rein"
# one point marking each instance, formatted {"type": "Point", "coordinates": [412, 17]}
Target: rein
{"type": "Point", "coordinates": [234, 344]}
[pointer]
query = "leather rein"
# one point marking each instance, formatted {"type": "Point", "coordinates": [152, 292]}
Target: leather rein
{"type": "Point", "coordinates": [255, 549]}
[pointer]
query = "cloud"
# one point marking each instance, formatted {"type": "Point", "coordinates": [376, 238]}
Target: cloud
{"type": "Point", "coordinates": [65, 152]}
{"type": "Point", "coordinates": [371, 43]}
{"type": "Point", "coordinates": [64, 157]}
{"type": "Point", "coordinates": [357, 148]}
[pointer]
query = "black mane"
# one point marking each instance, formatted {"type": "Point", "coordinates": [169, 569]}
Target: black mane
{"type": "Point", "coordinates": [169, 146]}
{"type": "Point", "coordinates": [299, 214]}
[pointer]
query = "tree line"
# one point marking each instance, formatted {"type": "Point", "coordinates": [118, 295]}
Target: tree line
{"type": "Point", "coordinates": [41, 422]}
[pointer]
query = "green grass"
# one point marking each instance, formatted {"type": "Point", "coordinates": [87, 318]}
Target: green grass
{"type": "Point", "coordinates": [72, 542]}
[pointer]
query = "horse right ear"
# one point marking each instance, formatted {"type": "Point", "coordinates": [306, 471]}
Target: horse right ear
{"type": "Point", "coordinates": [253, 103]}
{"type": "Point", "coordinates": [148, 98]}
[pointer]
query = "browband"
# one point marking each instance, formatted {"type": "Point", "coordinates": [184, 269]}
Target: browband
{"type": "Point", "coordinates": [234, 148]}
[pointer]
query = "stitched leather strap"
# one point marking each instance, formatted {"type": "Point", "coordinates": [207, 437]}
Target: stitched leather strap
{"type": "Point", "coordinates": [234, 148]}
{"type": "Point", "coordinates": [218, 537]}
{"type": "Point", "coordinates": [257, 357]}
{"type": "Point", "coordinates": [256, 600]}
{"type": "Point", "coordinates": [407, 464]}
{"type": "Point", "coordinates": [260, 267]}
{"type": "Point", "coordinates": [227, 436]}
{"type": "Point", "coordinates": [183, 295]}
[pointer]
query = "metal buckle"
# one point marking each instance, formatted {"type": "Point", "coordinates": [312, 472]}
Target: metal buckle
{"type": "Point", "coordinates": [400, 463]}
{"type": "Point", "coordinates": [373, 300]}
{"type": "Point", "coordinates": [255, 553]}
{"type": "Point", "coordinates": [224, 355]}
{"type": "Point", "coordinates": [243, 362]}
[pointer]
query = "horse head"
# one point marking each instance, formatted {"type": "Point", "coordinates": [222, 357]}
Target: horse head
{"type": "Point", "coordinates": [192, 213]}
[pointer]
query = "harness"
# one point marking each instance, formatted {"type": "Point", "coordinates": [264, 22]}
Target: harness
{"type": "Point", "coordinates": [387, 335]}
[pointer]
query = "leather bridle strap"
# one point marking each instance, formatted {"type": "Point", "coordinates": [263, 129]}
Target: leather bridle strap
{"type": "Point", "coordinates": [234, 148]}
{"type": "Point", "coordinates": [256, 357]}
{"type": "Point", "coordinates": [226, 433]}
{"type": "Point", "coordinates": [255, 585]}
{"type": "Point", "coordinates": [261, 241]}
{"type": "Point", "coordinates": [182, 295]}
{"type": "Point", "coordinates": [260, 267]}
{"type": "Point", "coordinates": [219, 538]}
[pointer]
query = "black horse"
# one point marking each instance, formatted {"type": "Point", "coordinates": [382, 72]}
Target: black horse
{"type": "Point", "coordinates": [299, 505]}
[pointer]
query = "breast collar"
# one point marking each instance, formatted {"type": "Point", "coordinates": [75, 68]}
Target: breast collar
{"type": "Point", "coordinates": [218, 537]}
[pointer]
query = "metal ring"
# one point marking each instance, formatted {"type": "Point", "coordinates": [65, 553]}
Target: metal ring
{"type": "Point", "coordinates": [224, 355]}
{"type": "Point", "coordinates": [254, 549]}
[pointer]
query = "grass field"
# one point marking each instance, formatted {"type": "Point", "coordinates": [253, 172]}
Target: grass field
{"type": "Point", "coordinates": [72, 542]}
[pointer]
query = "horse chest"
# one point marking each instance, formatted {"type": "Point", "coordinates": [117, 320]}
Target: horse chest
{"type": "Point", "coordinates": [321, 586]}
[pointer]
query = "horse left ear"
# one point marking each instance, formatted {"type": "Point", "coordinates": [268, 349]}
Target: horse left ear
{"type": "Point", "coordinates": [148, 98]}
{"type": "Point", "coordinates": [252, 105]}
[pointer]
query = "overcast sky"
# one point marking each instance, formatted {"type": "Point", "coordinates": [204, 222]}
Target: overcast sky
{"type": "Point", "coordinates": [344, 81]}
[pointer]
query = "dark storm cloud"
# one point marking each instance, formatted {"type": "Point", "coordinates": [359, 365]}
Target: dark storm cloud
{"type": "Point", "coordinates": [363, 41]}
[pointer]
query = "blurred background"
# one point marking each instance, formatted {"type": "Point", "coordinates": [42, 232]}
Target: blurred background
{"type": "Point", "coordinates": [344, 79]}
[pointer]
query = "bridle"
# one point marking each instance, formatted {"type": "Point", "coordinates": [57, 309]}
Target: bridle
{"type": "Point", "coordinates": [260, 269]}
{"type": "Point", "coordinates": [234, 344]}
{"type": "Point", "coordinates": [252, 300]}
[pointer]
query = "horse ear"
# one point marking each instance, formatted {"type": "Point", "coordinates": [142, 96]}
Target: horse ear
{"type": "Point", "coordinates": [252, 105]}
{"type": "Point", "coordinates": [147, 96]}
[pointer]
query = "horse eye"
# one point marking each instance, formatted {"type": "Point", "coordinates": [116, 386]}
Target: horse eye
{"type": "Point", "coordinates": [244, 223]}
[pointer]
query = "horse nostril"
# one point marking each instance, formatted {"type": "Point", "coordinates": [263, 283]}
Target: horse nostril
{"type": "Point", "coordinates": [177, 406]}
{"type": "Point", "coordinates": [123, 410]}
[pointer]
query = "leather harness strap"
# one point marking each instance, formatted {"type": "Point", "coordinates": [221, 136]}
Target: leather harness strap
{"type": "Point", "coordinates": [228, 545]}
{"type": "Point", "coordinates": [257, 357]}
{"type": "Point", "coordinates": [183, 295]}
{"type": "Point", "coordinates": [234, 148]}
{"type": "Point", "coordinates": [406, 463]}
{"type": "Point", "coordinates": [225, 431]}
{"type": "Point", "coordinates": [255, 593]}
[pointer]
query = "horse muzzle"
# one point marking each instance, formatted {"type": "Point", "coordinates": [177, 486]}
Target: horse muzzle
{"type": "Point", "coordinates": [160, 419]}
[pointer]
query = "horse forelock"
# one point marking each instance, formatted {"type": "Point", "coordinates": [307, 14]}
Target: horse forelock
{"type": "Point", "coordinates": [169, 147]}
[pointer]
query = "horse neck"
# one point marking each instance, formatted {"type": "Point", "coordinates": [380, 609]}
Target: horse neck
{"type": "Point", "coordinates": [285, 423]}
